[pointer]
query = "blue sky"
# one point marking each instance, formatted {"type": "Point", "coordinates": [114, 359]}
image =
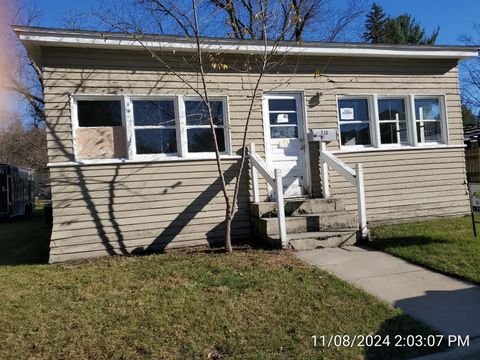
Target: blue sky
{"type": "Point", "coordinates": [454, 17]}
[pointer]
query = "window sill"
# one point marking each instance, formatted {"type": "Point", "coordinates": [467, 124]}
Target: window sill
{"type": "Point", "coordinates": [92, 162]}
{"type": "Point", "coordinates": [344, 148]}
{"type": "Point", "coordinates": [397, 148]}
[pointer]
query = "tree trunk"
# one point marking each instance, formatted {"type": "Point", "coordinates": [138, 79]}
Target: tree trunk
{"type": "Point", "coordinates": [228, 232]}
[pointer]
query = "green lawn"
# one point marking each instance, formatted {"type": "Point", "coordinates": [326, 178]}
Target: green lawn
{"type": "Point", "coordinates": [24, 241]}
{"type": "Point", "coordinates": [252, 304]}
{"type": "Point", "coordinates": [446, 245]}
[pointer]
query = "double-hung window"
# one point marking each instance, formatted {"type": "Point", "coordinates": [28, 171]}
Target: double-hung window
{"type": "Point", "coordinates": [429, 119]}
{"type": "Point", "coordinates": [99, 127]}
{"type": "Point", "coordinates": [155, 126]}
{"type": "Point", "coordinates": [198, 129]}
{"type": "Point", "coordinates": [386, 121]}
{"type": "Point", "coordinates": [148, 127]}
{"type": "Point", "coordinates": [354, 114]}
{"type": "Point", "coordinates": [392, 118]}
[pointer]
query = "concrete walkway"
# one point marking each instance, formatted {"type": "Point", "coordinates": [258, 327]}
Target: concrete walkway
{"type": "Point", "coordinates": [449, 305]}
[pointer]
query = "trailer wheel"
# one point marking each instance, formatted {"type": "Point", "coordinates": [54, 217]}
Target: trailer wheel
{"type": "Point", "coordinates": [28, 211]}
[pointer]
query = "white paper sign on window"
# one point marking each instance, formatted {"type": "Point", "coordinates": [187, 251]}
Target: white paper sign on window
{"type": "Point", "coordinates": [347, 114]}
{"type": "Point", "coordinates": [282, 119]}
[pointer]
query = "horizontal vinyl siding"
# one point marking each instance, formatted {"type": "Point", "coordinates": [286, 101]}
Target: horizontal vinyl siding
{"type": "Point", "coordinates": [407, 184]}
{"type": "Point", "coordinates": [100, 210]}
{"type": "Point", "coordinates": [122, 209]}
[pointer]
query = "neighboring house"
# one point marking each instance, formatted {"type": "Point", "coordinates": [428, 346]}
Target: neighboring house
{"type": "Point", "coordinates": [126, 180]}
{"type": "Point", "coordinates": [471, 133]}
{"type": "Point", "coordinates": [471, 136]}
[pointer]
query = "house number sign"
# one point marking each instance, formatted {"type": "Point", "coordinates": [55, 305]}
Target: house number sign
{"type": "Point", "coordinates": [323, 134]}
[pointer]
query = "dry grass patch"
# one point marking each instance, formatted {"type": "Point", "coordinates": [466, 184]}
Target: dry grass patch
{"type": "Point", "coordinates": [248, 305]}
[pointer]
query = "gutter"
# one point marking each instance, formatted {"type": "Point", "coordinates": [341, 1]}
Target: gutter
{"type": "Point", "coordinates": [36, 37]}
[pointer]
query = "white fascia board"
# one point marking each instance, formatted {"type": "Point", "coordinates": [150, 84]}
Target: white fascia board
{"type": "Point", "coordinates": [106, 43]}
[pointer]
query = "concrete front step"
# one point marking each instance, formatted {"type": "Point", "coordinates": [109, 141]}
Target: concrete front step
{"type": "Point", "coordinates": [297, 207]}
{"type": "Point", "coordinates": [265, 227]}
{"type": "Point", "coordinates": [323, 239]}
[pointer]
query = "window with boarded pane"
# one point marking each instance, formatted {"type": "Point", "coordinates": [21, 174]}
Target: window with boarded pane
{"type": "Point", "coordinates": [155, 126]}
{"type": "Point", "coordinates": [199, 134]}
{"type": "Point", "coordinates": [148, 128]}
{"type": "Point", "coordinates": [100, 132]}
{"type": "Point", "coordinates": [392, 121]}
{"type": "Point", "coordinates": [428, 120]}
{"type": "Point", "coordinates": [354, 115]}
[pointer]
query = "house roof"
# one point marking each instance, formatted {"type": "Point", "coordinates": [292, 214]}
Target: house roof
{"type": "Point", "coordinates": [35, 37]}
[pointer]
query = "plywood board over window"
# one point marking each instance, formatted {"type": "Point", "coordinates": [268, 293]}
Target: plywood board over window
{"type": "Point", "coordinates": [101, 143]}
{"type": "Point", "coordinates": [99, 128]}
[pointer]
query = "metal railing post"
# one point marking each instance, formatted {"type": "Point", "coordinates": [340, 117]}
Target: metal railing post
{"type": "Point", "coordinates": [324, 172]}
{"type": "Point", "coordinates": [362, 211]}
{"type": "Point", "coordinates": [282, 229]}
{"type": "Point", "coordinates": [254, 176]}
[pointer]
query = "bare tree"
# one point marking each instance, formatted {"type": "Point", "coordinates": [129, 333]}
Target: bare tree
{"type": "Point", "coordinates": [26, 78]}
{"type": "Point", "coordinates": [24, 145]}
{"type": "Point", "coordinates": [239, 19]}
{"type": "Point", "coordinates": [202, 64]}
{"type": "Point", "coordinates": [470, 74]}
{"type": "Point", "coordinates": [271, 21]}
{"type": "Point", "coordinates": [22, 141]}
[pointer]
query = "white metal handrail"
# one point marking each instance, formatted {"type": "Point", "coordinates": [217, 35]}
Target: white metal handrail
{"type": "Point", "coordinates": [354, 177]}
{"type": "Point", "coordinates": [257, 165]}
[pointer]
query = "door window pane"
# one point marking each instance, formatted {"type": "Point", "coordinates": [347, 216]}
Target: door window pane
{"type": "Point", "coordinates": [197, 112]}
{"type": "Point", "coordinates": [201, 140]}
{"type": "Point", "coordinates": [98, 113]}
{"type": "Point", "coordinates": [282, 105]}
{"type": "Point", "coordinates": [283, 118]}
{"type": "Point", "coordinates": [277, 132]}
{"type": "Point", "coordinates": [156, 141]}
{"type": "Point", "coordinates": [154, 112]}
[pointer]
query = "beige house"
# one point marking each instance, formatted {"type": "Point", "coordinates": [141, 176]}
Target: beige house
{"type": "Point", "coordinates": [130, 153]}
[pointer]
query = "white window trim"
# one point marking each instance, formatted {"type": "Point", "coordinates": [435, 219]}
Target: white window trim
{"type": "Point", "coordinates": [127, 122]}
{"type": "Point", "coordinates": [74, 117]}
{"type": "Point", "coordinates": [443, 120]}
{"type": "Point", "coordinates": [403, 148]}
{"type": "Point", "coordinates": [226, 127]}
{"type": "Point", "coordinates": [411, 123]}
{"type": "Point", "coordinates": [371, 111]}
{"type": "Point", "coordinates": [131, 128]}
{"type": "Point", "coordinates": [378, 121]}
{"type": "Point", "coordinates": [287, 94]}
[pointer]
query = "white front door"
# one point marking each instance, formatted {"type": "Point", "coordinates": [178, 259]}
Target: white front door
{"type": "Point", "coordinates": [285, 144]}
